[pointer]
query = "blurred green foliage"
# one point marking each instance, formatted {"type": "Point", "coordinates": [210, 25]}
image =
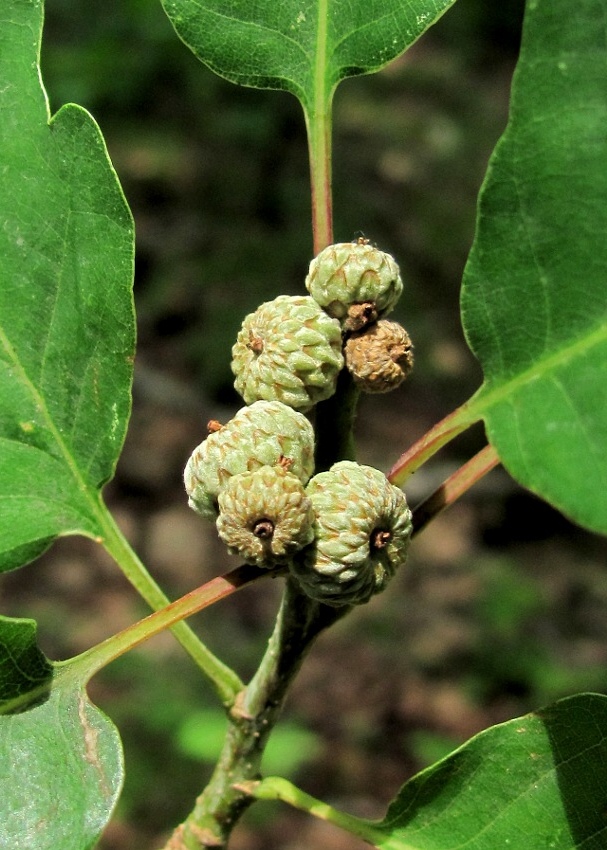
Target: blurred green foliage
{"type": "Point", "coordinates": [200, 736]}
{"type": "Point", "coordinates": [430, 747]}
{"type": "Point", "coordinates": [516, 653]}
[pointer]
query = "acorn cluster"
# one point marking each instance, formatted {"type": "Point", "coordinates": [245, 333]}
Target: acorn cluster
{"type": "Point", "coordinates": [342, 533]}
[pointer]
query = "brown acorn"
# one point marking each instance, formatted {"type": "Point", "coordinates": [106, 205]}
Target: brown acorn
{"type": "Point", "coordinates": [380, 357]}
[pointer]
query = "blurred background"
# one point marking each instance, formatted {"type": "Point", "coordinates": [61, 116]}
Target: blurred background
{"type": "Point", "coordinates": [502, 607]}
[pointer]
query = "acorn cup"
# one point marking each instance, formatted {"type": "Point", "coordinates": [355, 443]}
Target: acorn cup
{"type": "Point", "coordinates": [362, 530]}
{"type": "Point", "coordinates": [288, 350]}
{"type": "Point", "coordinates": [265, 516]}
{"type": "Point", "coordinates": [380, 357]}
{"type": "Point", "coordinates": [355, 282]}
{"type": "Point", "coordinates": [267, 433]}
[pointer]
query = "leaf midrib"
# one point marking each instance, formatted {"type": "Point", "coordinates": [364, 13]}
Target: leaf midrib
{"type": "Point", "coordinates": [40, 403]}
{"type": "Point", "coordinates": [486, 397]}
{"type": "Point", "coordinates": [320, 66]}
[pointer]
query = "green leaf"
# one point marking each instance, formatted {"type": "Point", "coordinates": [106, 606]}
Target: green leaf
{"type": "Point", "coordinates": [25, 673]}
{"type": "Point", "coordinates": [302, 46]}
{"type": "Point", "coordinates": [533, 783]}
{"type": "Point", "coordinates": [534, 301]}
{"type": "Point", "coordinates": [66, 312]}
{"type": "Point", "coordinates": [61, 767]}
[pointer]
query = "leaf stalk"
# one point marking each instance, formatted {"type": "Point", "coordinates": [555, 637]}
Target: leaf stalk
{"type": "Point", "coordinates": [277, 788]}
{"type": "Point", "coordinates": [225, 681]}
{"type": "Point", "coordinates": [455, 486]}
{"type": "Point", "coordinates": [432, 441]}
{"type": "Point", "coordinates": [319, 142]}
{"type": "Point", "coordinates": [94, 659]}
{"type": "Point", "coordinates": [318, 117]}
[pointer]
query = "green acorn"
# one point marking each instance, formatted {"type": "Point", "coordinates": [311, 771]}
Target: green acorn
{"type": "Point", "coordinates": [362, 532]}
{"type": "Point", "coordinates": [288, 350]}
{"type": "Point", "coordinates": [265, 516]}
{"type": "Point", "coordinates": [268, 433]}
{"type": "Point", "coordinates": [355, 282]}
{"type": "Point", "coordinates": [380, 357]}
